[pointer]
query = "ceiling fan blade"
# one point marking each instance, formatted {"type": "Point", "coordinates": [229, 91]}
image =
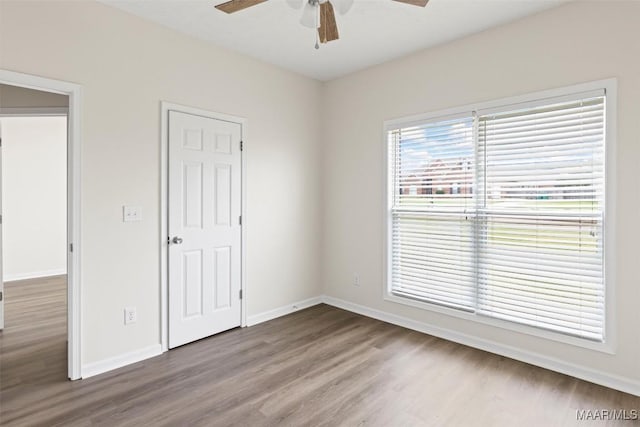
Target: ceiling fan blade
{"type": "Point", "coordinates": [328, 30]}
{"type": "Point", "coordinates": [236, 5]}
{"type": "Point", "coordinates": [421, 3]}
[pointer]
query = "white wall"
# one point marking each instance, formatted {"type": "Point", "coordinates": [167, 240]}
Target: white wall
{"type": "Point", "coordinates": [578, 42]}
{"type": "Point", "coordinates": [126, 66]}
{"type": "Point", "coordinates": [34, 196]}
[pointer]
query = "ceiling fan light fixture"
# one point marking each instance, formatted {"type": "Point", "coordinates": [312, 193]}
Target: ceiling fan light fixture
{"type": "Point", "coordinates": [295, 4]}
{"type": "Point", "coordinates": [310, 16]}
{"type": "Point", "coordinates": [343, 6]}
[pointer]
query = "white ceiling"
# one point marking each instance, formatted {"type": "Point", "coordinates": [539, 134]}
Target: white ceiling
{"type": "Point", "coordinates": [372, 32]}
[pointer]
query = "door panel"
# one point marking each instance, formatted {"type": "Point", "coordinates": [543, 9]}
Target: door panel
{"type": "Point", "coordinates": [222, 271]}
{"type": "Point", "coordinates": [192, 194]}
{"type": "Point", "coordinates": [204, 212]}
{"type": "Point", "coordinates": [192, 284]}
{"type": "Point", "coordinates": [223, 200]}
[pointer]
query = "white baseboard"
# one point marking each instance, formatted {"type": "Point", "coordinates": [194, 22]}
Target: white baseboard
{"type": "Point", "coordinates": [598, 377]}
{"type": "Point", "coordinates": [282, 311]}
{"type": "Point", "coordinates": [102, 366]}
{"type": "Point", "coordinates": [34, 275]}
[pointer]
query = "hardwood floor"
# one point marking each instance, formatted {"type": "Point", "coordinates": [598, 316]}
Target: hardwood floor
{"type": "Point", "coordinates": [33, 347]}
{"type": "Point", "coordinates": [319, 367]}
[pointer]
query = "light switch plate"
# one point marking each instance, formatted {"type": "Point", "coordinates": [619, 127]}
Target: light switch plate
{"type": "Point", "coordinates": [131, 213]}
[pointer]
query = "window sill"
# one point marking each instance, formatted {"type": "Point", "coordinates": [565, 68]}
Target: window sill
{"type": "Point", "coordinates": [603, 347]}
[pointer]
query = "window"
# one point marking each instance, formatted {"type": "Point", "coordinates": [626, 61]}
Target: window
{"type": "Point", "coordinates": [507, 218]}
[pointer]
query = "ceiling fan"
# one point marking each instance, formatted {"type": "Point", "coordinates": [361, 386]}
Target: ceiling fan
{"type": "Point", "coordinates": [318, 14]}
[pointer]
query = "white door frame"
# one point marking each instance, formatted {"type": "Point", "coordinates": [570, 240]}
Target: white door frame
{"type": "Point", "coordinates": [74, 278]}
{"type": "Point", "coordinates": [165, 107]}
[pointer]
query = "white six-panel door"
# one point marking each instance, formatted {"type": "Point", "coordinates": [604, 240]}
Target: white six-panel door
{"type": "Point", "coordinates": [204, 227]}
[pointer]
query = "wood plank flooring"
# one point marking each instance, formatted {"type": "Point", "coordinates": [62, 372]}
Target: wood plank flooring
{"type": "Point", "coordinates": [317, 367]}
{"type": "Point", "coordinates": [33, 346]}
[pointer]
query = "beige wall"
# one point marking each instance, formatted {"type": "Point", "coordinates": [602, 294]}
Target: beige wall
{"type": "Point", "coordinates": [18, 97]}
{"type": "Point", "coordinates": [578, 42]}
{"type": "Point", "coordinates": [126, 66]}
{"type": "Point", "coordinates": [34, 196]}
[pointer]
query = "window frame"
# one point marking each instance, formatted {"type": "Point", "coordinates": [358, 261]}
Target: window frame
{"type": "Point", "coordinates": [610, 88]}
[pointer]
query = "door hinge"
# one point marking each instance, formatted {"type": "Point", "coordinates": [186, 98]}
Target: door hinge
{"type": "Point", "coordinates": [240, 293]}
{"type": "Point", "coordinates": [70, 247]}
{"type": "Point", "coordinates": [0, 219]}
{"type": "Point", "coordinates": [1, 296]}
{"type": "Point", "coordinates": [241, 145]}
{"type": "Point", "coordinates": [240, 220]}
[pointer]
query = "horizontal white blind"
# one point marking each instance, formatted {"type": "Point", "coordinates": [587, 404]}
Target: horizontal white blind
{"type": "Point", "coordinates": [541, 217]}
{"type": "Point", "coordinates": [502, 213]}
{"type": "Point", "coordinates": [433, 258]}
{"type": "Point", "coordinates": [433, 255]}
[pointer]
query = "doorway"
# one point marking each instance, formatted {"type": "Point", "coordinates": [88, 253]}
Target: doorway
{"type": "Point", "coordinates": [69, 263]}
{"type": "Point", "coordinates": [202, 258]}
{"type": "Point", "coordinates": [34, 196]}
{"type": "Point", "coordinates": [33, 255]}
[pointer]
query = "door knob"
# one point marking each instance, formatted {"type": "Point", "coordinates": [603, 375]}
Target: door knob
{"type": "Point", "coordinates": [176, 240]}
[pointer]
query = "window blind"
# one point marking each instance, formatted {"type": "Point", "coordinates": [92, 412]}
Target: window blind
{"type": "Point", "coordinates": [501, 213]}
{"type": "Point", "coordinates": [541, 217]}
{"type": "Point", "coordinates": [433, 255]}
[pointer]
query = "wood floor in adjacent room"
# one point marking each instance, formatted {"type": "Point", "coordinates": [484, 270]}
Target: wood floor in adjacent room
{"type": "Point", "coordinates": [320, 366]}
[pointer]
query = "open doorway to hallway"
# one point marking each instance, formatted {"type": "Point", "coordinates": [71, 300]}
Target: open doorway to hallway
{"type": "Point", "coordinates": [33, 341]}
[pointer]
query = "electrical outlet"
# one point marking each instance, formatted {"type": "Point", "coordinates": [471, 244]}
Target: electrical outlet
{"type": "Point", "coordinates": [131, 213]}
{"type": "Point", "coordinates": [356, 279]}
{"type": "Point", "coordinates": [130, 315]}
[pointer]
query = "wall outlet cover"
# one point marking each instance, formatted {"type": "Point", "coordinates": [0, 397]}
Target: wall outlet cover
{"type": "Point", "coordinates": [130, 315]}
